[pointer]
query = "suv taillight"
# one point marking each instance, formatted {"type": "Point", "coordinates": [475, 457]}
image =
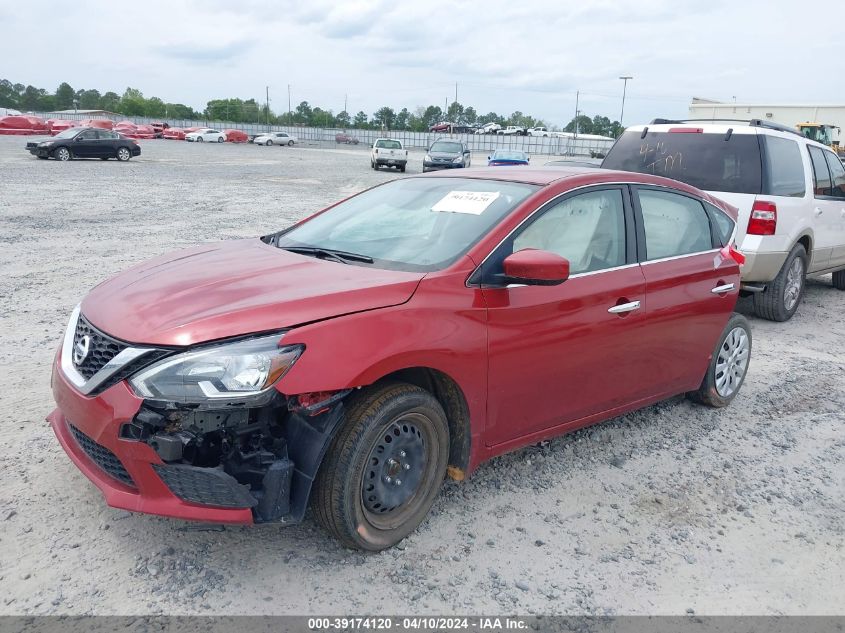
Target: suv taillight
{"type": "Point", "coordinates": [764, 218]}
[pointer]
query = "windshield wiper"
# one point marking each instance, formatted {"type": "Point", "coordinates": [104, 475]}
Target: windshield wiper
{"type": "Point", "coordinates": [329, 253]}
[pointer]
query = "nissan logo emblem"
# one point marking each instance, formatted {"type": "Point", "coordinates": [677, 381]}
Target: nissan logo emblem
{"type": "Point", "coordinates": [80, 349]}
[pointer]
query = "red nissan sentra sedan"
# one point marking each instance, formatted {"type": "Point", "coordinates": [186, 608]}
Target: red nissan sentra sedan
{"type": "Point", "coordinates": [353, 360]}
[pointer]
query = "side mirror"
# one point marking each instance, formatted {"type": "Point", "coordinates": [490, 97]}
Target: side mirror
{"type": "Point", "coordinates": [489, 157]}
{"type": "Point", "coordinates": [527, 159]}
{"type": "Point", "coordinates": [534, 267]}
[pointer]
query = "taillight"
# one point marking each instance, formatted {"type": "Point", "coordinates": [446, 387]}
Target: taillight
{"type": "Point", "coordinates": [764, 218]}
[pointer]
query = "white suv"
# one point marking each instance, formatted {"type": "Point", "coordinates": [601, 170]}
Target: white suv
{"type": "Point", "coordinates": [790, 193]}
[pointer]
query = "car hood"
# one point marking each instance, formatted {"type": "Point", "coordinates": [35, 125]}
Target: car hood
{"type": "Point", "coordinates": [234, 288]}
{"type": "Point", "coordinates": [451, 155]}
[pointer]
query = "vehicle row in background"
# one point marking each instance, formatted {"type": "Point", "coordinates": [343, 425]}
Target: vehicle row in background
{"type": "Point", "coordinates": [275, 138]}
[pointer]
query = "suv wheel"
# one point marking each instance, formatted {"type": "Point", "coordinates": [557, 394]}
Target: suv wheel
{"type": "Point", "coordinates": [839, 280]}
{"type": "Point", "coordinates": [729, 365]}
{"type": "Point", "coordinates": [384, 467]}
{"type": "Point", "coordinates": [781, 298]}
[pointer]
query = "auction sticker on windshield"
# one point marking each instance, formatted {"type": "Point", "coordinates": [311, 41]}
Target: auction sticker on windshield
{"type": "Point", "coordinates": [472, 202]}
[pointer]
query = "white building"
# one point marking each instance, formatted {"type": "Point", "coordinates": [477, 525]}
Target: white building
{"type": "Point", "coordinates": [785, 114]}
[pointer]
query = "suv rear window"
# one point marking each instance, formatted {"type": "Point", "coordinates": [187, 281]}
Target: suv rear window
{"type": "Point", "coordinates": [706, 161]}
{"type": "Point", "coordinates": [784, 174]}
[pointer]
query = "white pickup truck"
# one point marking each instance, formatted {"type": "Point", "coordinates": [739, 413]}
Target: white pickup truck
{"type": "Point", "coordinates": [538, 131]}
{"type": "Point", "coordinates": [388, 152]}
{"type": "Point", "coordinates": [513, 130]}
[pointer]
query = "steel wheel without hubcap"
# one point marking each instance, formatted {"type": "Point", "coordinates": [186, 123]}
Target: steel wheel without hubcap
{"type": "Point", "coordinates": [397, 467]}
{"type": "Point", "coordinates": [123, 154]}
{"type": "Point", "coordinates": [794, 282]}
{"type": "Point", "coordinates": [63, 153]}
{"type": "Point", "coordinates": [732, 362]}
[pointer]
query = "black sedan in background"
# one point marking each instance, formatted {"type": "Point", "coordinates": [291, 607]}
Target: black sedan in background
{"type": "Point", "coordinates": [84, 142]}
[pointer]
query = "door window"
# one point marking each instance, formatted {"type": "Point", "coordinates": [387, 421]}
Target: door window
{"type": "Point", "coordinates": [587, 229]}
{"type": "Point", "coordinates": [784, 171]}
{"type": "Point", "coordinates": [674, 225]}
{"type": "Point", "coordinates": [821, 175]}
{"type": "Point", "coordinates": [837, 174]}
{"type": "Point", "coordinates": [88, 135]}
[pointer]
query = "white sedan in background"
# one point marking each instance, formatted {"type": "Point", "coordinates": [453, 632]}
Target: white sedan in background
{"type": "Point", "coordinates": [275, 138]}
{"type": "Point", "coordinates": [206, 134]}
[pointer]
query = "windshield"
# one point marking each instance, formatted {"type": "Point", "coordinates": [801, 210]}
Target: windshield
{"type": "Point", "coordinates": [445, 147]}
{"type": "Point", "coordinates": [68, 133]}
{"type": "Point", "coordinates": [389, 144]}
{"type": "Point", "coordinates": [712, 162]}
{"type": "Point", "coordinates": [509, 155]}
{"type": "Point", "coordinates": [415, 224]}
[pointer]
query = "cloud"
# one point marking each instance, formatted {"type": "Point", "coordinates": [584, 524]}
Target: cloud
{"type": "Point", "coordinates": [205, 53]}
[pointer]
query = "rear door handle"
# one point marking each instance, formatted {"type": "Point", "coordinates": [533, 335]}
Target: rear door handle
{"type": "Point", "coordinates": [817, 211]}
{"type": "Point", "coordinates": [624, 307]}
{"type": "Point", "coordinates": [720, 289]}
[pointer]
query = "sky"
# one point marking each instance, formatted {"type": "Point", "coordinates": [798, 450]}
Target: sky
{"type": "Point", "coordinates": [531, 56]}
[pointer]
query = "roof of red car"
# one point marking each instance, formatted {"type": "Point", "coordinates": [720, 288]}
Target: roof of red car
{"type": "Point", "coordinates": [580, 176]}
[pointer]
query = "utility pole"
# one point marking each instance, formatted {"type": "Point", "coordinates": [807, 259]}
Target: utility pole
{"type": "Point", "coordinates": [345, 99]}
{"type": "Point", "coordinates": [625, 79]}
{"type": "Point", "coordinates": [289, 115]}
{"type": "Point", "coordinates": [577, 95]}
{"type": "Point", "coordinates": [267, 103]}
{"type": "Point", "coordinates": [456, 92]}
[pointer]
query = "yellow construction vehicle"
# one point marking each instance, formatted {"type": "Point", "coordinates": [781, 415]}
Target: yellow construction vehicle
{"type": "Point", "coordinates": [821, 133]}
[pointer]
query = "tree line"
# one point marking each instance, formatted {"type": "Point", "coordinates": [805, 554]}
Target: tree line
{"type": "Point", "coordinates": [133, 103]}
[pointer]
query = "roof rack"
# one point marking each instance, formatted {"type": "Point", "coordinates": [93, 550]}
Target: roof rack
{"type": "Point", "coordinates": [751, 122]}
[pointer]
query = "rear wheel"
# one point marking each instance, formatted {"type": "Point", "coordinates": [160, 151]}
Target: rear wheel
{"type": "Point", "coordinates": [729, 365]}
{"type": "Point", "coordinates": [200, 139]}
{"type": "Point", "coordinates": [383, 468]}
{"type": "Point", "coordinates": [123, 154]}
{"type": "Point", "coordinates": [402, 169]}
{"type": "Point", "coordinates": [220, 139]}
{"type": "Point", "coordinates": [839, 280]}
{"type": "Point", "coordinates": [779, 301]}
{"type": "Point", "coordinates": [63, 154]}
{"type": "Point", "coordinates": [290, 143]}
{"type": "Point", "coordinates": [268, 143]}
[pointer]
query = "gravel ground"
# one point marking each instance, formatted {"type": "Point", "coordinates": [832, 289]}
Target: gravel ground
{"type": "Point", "coordinates": [670, 510]}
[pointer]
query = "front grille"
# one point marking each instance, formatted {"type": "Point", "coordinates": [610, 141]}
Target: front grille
{"type": "Point", "coordinates": [102, 456]}
{"type": "Point", "coordinates": [101, 348]}
{"type": "Point", "coordinates": [206, 486]}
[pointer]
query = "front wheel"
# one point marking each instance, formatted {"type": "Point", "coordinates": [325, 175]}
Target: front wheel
{"type": "Point", "coordinates": [780, 299]}
{"type": "Point", "coordinates": [220, 139]}
{"type": "Point", "coordinates": [728, 366]}
{"type": "Point", "coordinates": [62, 154]}
{"type": "Point", "coordinates": [123, 154]}
{"type": "Point", "coordinates": [383, 468]}
{"type": "Point", "coordinates": [290, 143]}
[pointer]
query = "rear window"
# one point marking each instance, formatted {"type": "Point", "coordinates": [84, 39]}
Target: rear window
{"type": "Point", "coordinates": [706, 161]}
{"type": "Point", "coordinates": [389, 144]}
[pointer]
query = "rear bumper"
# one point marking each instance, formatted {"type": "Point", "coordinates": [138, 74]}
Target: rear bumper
{"type": "Point", "coordinates": [392, 162]}
{"type": "Point", "coordinates": [762, 267]}
{"type": "Point", "coordinates": [97, 422]}
{"type": "Point", "coordinates": [436, 166]}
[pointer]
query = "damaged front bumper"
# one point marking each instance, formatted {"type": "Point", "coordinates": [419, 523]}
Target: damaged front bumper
{"type": "Point", "coordinates": [233, 465]}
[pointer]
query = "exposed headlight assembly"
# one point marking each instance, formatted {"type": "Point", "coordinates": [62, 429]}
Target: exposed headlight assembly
{"type": "Point", "coordinates": [243, 371]}
{"type": "Point", "coordinates": [427, 158]}
{"type": "Point", "coordinates": [459, 159]}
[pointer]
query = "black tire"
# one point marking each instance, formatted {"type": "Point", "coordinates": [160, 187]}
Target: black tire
{"type": "Point", "coordinates": [200, 139]}
{"type": "Point", "coordinates": [62, 154]}
{"type": "Point", "coordinates": [725, 364]}
{"type": "Point", "coordinates": [355, 488]}
{"type": "Point", "coordinates": [778, 301]}
{"type": "Point", "coordinates": [290, 143]}
{"type": "Point", "coordinates": [268, 143]}
{"type": "Point", "coordinates": [839, 280]}
{"type": "Point", "coordinates": [375, 165]}
{"type": "Point", "coordinates": [402, 169]}
{"type": "Point", "coordinates": [123, 154]}
{"type": "Point", "coordinates": [220, 139]}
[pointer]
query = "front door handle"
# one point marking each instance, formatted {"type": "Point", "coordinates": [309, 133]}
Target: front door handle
{"type": "Point", "coordinates": [720, 289]}
{"type": "Point", "coordinates": [622, 308]}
